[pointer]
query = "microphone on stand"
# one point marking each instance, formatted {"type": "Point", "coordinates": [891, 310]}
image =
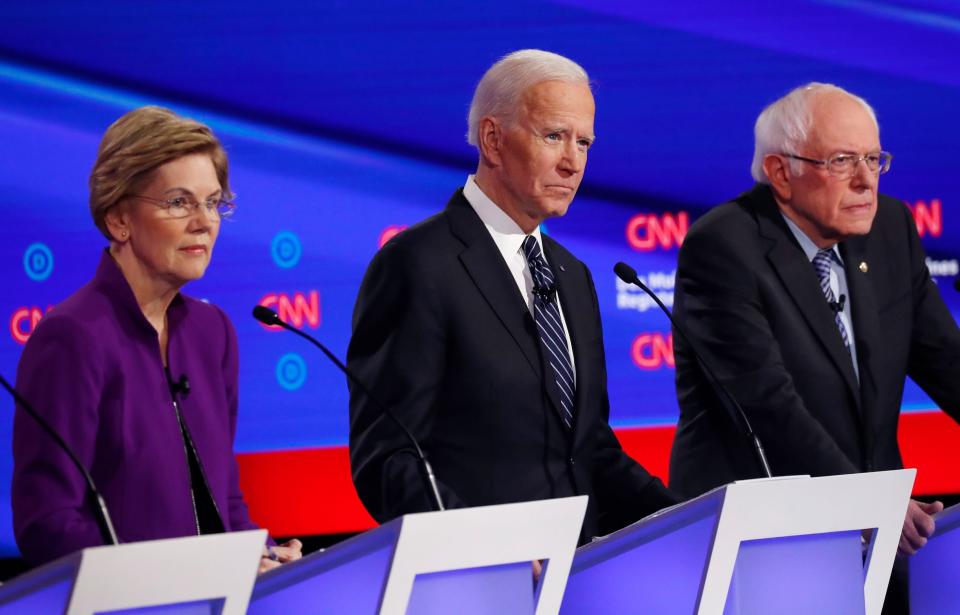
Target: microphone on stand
{"type": "Point", "coordinates": [837, 306]}
{"type": "Point", "coordinates": [100, 510]}
{"type": "Point", "coordinates": [181, 386]}
{"type": "Point", "coordinates": [626, 273]}
{"type": "Point", "coordinates": [269, 317]}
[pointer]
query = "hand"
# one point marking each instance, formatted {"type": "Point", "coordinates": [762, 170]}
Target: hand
{"type": "Point", "coordinates": [281, 554]}
{"type": "Point", "coordinates": [918, 526]}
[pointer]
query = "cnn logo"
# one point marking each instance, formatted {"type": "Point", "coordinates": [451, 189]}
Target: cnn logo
{"type": "Point", "coordinates": [24, 321]}
{"type": "Point", "coordinates": [929, 218]}
{"type": "Point", "coordinates": [297, 309]}
{"type": "Point", "coordinates": [652, 351]}
{"type": "Point", "coordinates": [646, 232]}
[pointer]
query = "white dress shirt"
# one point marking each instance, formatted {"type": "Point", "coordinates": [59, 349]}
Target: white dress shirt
{"type": "Point", "coordinates": [509, 237]}
{"type": "Point", "coordinates": [838, 284]}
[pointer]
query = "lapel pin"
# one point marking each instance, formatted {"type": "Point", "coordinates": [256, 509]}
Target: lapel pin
{"type": "Point", "coordinates": [562, 268]}
{"type": "Point", "coordinates": [863, 267]}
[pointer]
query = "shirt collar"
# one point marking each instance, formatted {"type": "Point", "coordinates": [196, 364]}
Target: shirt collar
{"type": "Point", "coordinates": [506, 233]}
{"type": "Point", "coordinates": [810, 249]}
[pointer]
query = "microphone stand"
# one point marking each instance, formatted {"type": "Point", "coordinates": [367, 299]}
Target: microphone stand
{"type": "Point", "coordinates": [100, 510]}
{"type": "Point", "coordinates": [629, 275]}
{"type": "Point", "coordinates": [269, 317]}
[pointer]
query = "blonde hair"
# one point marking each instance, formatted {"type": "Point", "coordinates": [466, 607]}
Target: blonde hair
{"type": "Point", "coordinates": [139, 142]}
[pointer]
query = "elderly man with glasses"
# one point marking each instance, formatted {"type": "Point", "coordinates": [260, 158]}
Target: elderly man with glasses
{"type": "Point", "coordinates": [810, 297]}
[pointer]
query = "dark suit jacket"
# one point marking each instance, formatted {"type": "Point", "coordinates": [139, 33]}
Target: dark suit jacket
{"type": "Point", "coordinates": [443, 337]}
{"type": "Point", "coordinates": [752, 304]}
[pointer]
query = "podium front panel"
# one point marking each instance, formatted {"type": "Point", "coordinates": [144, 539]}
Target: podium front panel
{"type": "Point", "coordinates": [44, 590]}
{"type": "Point", "coordinates": [488, 590]}
{"type": "Point", "coordinates": [213, 606]}
{"type": "Point", "coordinates": [934, 570]}
{"type": "Point", "coordinates": [798, 575]}
{"type": "Point", "coordinates": [347, 578]}
{"type": "Point", "coordinates": [652, 568]}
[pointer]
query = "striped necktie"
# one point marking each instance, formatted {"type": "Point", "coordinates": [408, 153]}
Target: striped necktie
{"type": "Point", "coordinates": [821, 263]}
{"type": "Point", "coordinates": [546, 314]}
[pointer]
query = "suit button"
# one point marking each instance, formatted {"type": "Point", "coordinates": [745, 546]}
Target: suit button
{"type": "Point", "coordinates": [571, 461]}
{"type": "Point", "coordinates": [869, 466]}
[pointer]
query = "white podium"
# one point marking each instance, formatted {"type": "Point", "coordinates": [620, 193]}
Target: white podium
{"type": "Point", "coordinates": [934, 570]}
{"type": "Point", "coordinates": [782, 545]}
{"type": "Point", "coordinates": [208, 575]}
{"type": "Point", "coordinates": [470, 561]}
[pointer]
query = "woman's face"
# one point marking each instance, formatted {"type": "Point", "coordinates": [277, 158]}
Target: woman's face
{"type": "Point", "coordinates": [169, 248]}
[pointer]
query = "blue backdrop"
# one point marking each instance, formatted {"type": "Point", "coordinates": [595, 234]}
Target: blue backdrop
{"type": "Point", "coordinates": [345, 122]}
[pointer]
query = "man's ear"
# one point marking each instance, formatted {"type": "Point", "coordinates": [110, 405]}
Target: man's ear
{"type": "Point", "coordinates": [118, 223]}
{"type": "Point", "coordinates": [490, 140]}
{"type": "Point", "coordinates": [775, 168]}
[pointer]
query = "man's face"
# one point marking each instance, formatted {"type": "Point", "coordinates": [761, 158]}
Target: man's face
{"type": "Point", "coordinates": [827, 208]}
{"type": "Point", "coordinates": [544, 152]}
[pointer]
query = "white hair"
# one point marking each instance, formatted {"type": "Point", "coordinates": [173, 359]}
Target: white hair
{"type": "Point", "coordinates": [499, 91]}
{"type": "Point", "coordinates": [784, 126]}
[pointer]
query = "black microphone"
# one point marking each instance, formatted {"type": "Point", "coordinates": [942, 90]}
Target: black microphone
{"type": "Point", "coordinates": [837, 306]}
{"type": "Point", "coordinates": [626, 273]}
{"type": "Point", "coordinates": [181, 386]}
{"type": "Point", "coordinates": [270, 318]}
{"type": "Point", "coordinates": [100, 510]}
{"type": "Point", "coordinates": [545, 294]}
{"type": "Point", "coordinates": [956, 283]}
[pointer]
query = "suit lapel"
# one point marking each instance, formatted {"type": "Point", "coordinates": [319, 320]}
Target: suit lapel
{"type": "Point", "coordinates": [801, 283]}
{"type": "Point", "coordinates": [866, 324]}
{"type": "Point", "coordinates": [485, 266]}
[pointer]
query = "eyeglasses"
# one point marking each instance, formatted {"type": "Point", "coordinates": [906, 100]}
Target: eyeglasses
{"type": "Point", "coordinates": [180, 207]}
{"type": "Point", "coordinates": [844, 166]}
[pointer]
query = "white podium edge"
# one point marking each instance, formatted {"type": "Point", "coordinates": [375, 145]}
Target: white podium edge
{"type": "Point", "coordinates": [771, 508]}
{"type": "Point", "coordinates": [157, 572]}
{"type": "Point", "coordinates": [487, 536]}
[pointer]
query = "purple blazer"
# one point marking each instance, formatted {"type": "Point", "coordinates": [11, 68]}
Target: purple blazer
{"type": "Point", "coordinates": [92, 368]}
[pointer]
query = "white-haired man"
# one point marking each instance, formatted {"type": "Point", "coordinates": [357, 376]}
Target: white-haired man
{"type": "Point", "coordinates": [810, 297]}
{"type": "Point", "coordinates": [483, 336]}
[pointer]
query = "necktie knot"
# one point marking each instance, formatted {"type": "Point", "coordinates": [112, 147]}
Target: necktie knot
{"type": "Point", "coordinates": [531, 249]}
{"type": "Point", "coordinates": [543, 281]}
{"type": "Point", "coordinates": [821, 262]}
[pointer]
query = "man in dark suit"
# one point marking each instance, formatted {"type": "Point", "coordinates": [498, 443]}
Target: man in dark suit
{"type": "Point", "coordinates": [810, 297]}
{"type": "Point", "coordinates": [483, 335]}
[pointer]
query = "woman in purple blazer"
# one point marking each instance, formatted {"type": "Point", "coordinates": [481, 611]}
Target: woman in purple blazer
{"type": "Point", "coordinates": [138, 378]}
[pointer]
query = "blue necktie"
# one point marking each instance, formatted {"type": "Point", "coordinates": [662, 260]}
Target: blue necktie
{"type": "Point", "coordinates": [821, 262]}
{"type": "Point", "coordinates": [546, 314]}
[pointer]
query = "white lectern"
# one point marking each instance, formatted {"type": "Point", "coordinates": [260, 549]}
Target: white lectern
{"type": "Point", "coordinates": [208, 575]}
{"type": "Point", "coordinates": [783, 545]}
{"type": "Point", "coordinates": [470, 561]}
{"type": "Point", "coordinates": [934, 570]}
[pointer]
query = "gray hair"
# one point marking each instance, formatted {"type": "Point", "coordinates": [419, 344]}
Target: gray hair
{"type": "Point", "coordinates": [785, 124]}
{"type": "Point", "coordinates": [499, 91]}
